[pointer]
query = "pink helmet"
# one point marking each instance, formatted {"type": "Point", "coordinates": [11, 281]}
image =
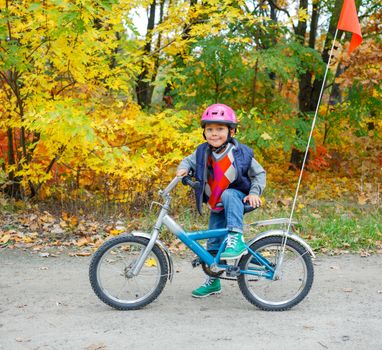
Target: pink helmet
{"type": "Point", "coordinates": [219, 113]}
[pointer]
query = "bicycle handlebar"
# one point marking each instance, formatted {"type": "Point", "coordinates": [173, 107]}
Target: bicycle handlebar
{"type": "Point", "coordinates": [186, 180]}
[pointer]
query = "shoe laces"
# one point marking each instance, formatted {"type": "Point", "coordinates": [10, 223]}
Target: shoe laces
{"type": "Point", "coordinates": [209, 281]}
{"type": "Point", "coordinates": [232, 241]}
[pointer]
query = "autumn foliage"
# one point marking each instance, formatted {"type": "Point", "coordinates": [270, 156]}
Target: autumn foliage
{"type": "Point", "coordinates": [90, 108]}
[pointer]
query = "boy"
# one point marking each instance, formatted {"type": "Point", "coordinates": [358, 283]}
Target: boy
{"type": "Point", "coordinates": [229, 178]}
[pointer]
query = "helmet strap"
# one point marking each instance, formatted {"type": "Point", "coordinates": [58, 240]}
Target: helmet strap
{"type": "Point", "coordinates": [218, 149]}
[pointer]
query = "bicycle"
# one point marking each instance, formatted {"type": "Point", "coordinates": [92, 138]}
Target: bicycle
{"type": "Point", "coordinates": [130, 271]}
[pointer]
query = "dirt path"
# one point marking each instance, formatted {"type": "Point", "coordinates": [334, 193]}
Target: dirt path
{"type": "Point", "coordinates": [47, 303]}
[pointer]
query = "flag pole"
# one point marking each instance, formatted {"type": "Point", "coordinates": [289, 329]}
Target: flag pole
{"type": "Point", "coordinates": [305, 156]}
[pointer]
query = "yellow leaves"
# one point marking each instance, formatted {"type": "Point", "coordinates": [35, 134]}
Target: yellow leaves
{"type": "Point", "coordinates": [300, 206]}
{"type": "Point", "coordinates": [303, 15]}
{"type": "Point", "coordinates": [68, 221]}
{"type": "Point", "coordinates": [115, 232]}
{"type": "Point", "coordinates": [28, 239]}
{"type": "Point", "coordinates": [83, 241]}
{"type": "Point", "coordinates": [5, 238]}
{"type": "Point", "coordinates": [150, 262]}
{"type": "Point", "coordinates": [14, 236]}
{"type": "Point", "coordinates": [175, 48]}
{"type": "Point", "coordinates": [78, 93]}
{"type": "Point", "coordinates": [266, 136]}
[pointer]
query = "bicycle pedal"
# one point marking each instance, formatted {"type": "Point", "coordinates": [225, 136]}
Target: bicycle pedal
{"type": "Point", "coordinates": [232, 271]}
{"type": "Point", "coordinates": [196, 262]}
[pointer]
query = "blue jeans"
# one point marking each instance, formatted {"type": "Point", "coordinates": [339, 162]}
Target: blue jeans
{"type": "Point", "coordinates": [231, 217]}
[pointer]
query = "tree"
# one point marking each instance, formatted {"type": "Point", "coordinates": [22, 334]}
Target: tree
{"type": "Point", "coordinates": [55, 58]}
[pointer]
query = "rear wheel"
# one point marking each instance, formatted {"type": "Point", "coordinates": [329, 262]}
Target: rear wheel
{"type": "Point", "coordinates": [110, 277]}
{"type": "Point", "coordinates": [294, 280]}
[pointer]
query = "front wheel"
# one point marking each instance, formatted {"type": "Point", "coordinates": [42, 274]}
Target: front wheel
{"type": "Point", "coordinates": [110, 277]}
{"type": "Point", "coordinates": [294, 279]}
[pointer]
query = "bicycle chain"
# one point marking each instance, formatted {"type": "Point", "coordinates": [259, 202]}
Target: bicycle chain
{"type": "Point", "coordinates": [211, 273]}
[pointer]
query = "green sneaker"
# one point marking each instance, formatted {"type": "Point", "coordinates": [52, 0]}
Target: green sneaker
{"type": "Point", "coordinates": [235, 247]}
{"type": "Point", "coordinates": [210, 286]}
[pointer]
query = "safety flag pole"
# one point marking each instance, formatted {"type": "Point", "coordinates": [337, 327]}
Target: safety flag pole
{"type": "Point", "coordinates": [349, 22]}
{"type": "Point", "coordinates": [308, 144]}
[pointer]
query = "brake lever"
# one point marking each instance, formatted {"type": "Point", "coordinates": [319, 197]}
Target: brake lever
{"type": "Point", "coordinates": [152, 204]}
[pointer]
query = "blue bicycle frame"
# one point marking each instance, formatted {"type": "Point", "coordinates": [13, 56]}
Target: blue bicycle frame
{"type": "Point", "coordinates": [190, 239]}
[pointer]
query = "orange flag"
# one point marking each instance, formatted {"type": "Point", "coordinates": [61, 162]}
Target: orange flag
{"type": "Point", "coordinates": [349, 22]}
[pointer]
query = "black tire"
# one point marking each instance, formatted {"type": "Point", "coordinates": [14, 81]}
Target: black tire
{"type": "Point", "coordinates": [109, 267]}
{"type": "Point", "coordinates": [260, 292]}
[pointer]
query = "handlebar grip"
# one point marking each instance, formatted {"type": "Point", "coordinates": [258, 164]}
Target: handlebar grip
{"type": "Point", "coordinates": [186, 180]}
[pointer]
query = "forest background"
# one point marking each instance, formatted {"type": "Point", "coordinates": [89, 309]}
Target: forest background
{"type": "Point", "coordinates": [100, 101]}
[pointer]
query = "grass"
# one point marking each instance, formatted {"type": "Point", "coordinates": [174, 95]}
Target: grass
{"type": "Point", "coordinates": [328, 226]}
{"type": "Point", "coordinates": [350, 231]}
{"type": "Point", "coordinates": [336, 228]}
{"type": "Point", "coordinates": [328, 229]}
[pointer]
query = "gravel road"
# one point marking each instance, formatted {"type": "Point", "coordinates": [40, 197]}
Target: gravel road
{"type": "Point", "coordinates": [47, 303]}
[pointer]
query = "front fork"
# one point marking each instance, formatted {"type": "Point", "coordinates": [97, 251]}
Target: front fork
{"type": "Point", "coordinates": [279, 262]}
{"type": "Point", "coordinates": [154, 236]}
{"type": "Point", "coordinates": [280, 258]}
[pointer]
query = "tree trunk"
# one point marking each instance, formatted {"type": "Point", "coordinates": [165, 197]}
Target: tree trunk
{"type": "Point", "coordinates": [309, 91]}
{"type": "Point", "coordinates": [314, 25]}
{"type": "Point", "coordinates": [254, 84]}
{"type": "Point", "coordinates": [325, 53]}
{"type": "Point", "coordinates": [13, 187]}
{"type": "Point", "coordinates": [143, 88]}
{"type": "Point", "coordinates": [304, 92]}
{"type": "Point", "coordinates": [168, 95]}
{"type": "Point", "coordinates": [157, 50]}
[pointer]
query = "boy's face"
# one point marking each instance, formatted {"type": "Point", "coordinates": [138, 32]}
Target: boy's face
{"type": "Point", "coordinates": [216, 134]}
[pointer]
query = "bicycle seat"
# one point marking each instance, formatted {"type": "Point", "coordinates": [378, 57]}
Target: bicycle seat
{"type": "Point", "coordinates": [248, 208]}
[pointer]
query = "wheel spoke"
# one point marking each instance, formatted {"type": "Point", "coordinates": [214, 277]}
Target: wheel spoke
{"type": "Point", "coordinates": [292, 283]}
{"type": "Point", "coordinates": [120, 293]}
{"type": "Point", "coordinates": [109, 273]}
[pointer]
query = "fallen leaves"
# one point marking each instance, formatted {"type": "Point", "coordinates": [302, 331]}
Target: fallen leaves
{"type": "Point", "coordinates": [6, 237]}
{"type": "Point", "coordinates": [22, 340]}
{"type": "Point", "coordinates": [84, 241]}
{"type": "Point", "coordinates": [177, 246]}
{"type": "Point", "coordinates": [362, 199]}
{"type": "Point", "coordinates": [364, 253]}
{"type": "Point", "coordinates": [114, 232]}
{"type": "Point", "coordinates": [97, 346]}
{"type": "Point", "coordinates": [40, 231]}
{"type": "Point", "coordinates": [80, 254]}
{"type": "Point", "coordinates": [379, 246]}
{"type": "Point", "coordinates": [308, 327]}
{"type": "Point", "coordinates": [150, 262]}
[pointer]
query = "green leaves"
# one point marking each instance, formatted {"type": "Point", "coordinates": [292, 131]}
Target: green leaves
{"type": "Point", "coordinates": [217, 73]}
{"type": "Point", "coordinates": [289, 59]}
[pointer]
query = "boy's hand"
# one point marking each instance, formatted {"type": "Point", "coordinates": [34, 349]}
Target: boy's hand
{"type": "Point", "coordinates": [182, 172]}
{"type": "Point", "coordinates": [253, 200]}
